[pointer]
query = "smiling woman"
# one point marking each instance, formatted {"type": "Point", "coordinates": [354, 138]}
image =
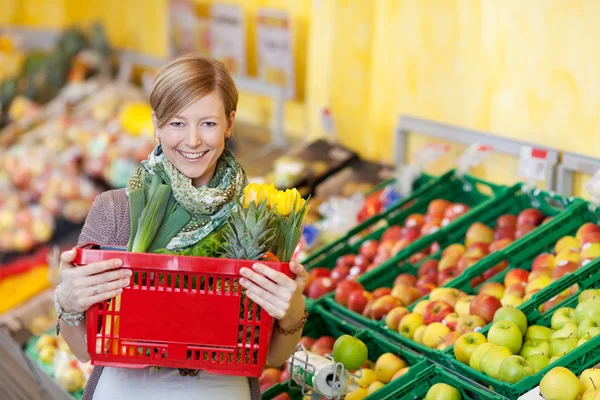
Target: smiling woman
{"type": "Point", "coordinates": [194, 103]}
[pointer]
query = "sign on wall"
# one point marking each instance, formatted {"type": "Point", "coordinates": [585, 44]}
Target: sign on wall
{"type": "Point", "coordinates": [188, 32]}
{"type": "Point", "coordinates": [275, 49]}
{"type": "Point", "coordinates": [228, 37]}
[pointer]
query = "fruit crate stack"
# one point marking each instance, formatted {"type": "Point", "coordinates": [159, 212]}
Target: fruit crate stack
{"type": "Point", "coordinates": [388, 367]}
{"type": "Point", "coordinates": [513, 354]}
{"type": "Point", "coordinates": [410, 283]}
{"type": "Point", "coordinates": [411, 227]}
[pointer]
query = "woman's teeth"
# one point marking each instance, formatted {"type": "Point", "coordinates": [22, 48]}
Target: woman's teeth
{"type": "Point", "coordinates": [193, 156]}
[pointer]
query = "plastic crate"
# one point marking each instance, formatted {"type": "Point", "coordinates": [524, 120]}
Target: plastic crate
{"type": "Point", "coordinates": [469, 190]}
{"type": "Point", "coordinates": [585, 356]}
{"type": "Point", "coordinates": [418, 388]}
{"type": "Point", "coordinates": [512, 201]}
{"type": "Point", "coordinates": [179, 312]}
{"type": "Point", "coordinates": [377, 346]}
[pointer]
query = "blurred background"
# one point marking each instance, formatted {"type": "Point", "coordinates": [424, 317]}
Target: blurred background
{"type": "Point", "coordinates": [338, 98]}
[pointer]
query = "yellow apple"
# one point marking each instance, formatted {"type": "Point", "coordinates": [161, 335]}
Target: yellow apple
{"type": "Point", "coordinates": [434, 334]}
{"type": "Point", "coordinates": [368, 376]}
{"type": "Point", "coordinates": [358, 394]}
{"type": "Point", "coordinates": [566, 243]}
{"type": "Point", "coordinates": [420, 307]}
{"type": "Point", "coordinates": [560, 384]}
{"type": "Point", "coordinates": [409, 324]}
{"type": "Point", "coordinates": [538, 283]}
{"type": "Point", "coordinates": [463, 305]}
{"type": "Point", "coordinates": [475, 360]}
{"type": "Point", "coordinates": [375, 386]}
{"type": "Point", "coordinates": [511, 300]}
{"type": "Point", "coordinates": [590, 380]}
{"type": "Point", "coordinates": [387, 365]}
{"type": "Point", "coordinates": [418, 337]}
{"type": "Point", "coordinates": [400, 373]}
{"type": "Point", "coordinates": [566, 256]}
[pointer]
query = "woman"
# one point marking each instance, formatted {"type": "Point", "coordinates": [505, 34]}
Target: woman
{"type": "Point", "coordinates": [194, 102]}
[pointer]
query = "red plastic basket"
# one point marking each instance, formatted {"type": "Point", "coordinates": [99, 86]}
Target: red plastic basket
{"type": "Point", "coordinates": [179, 312]}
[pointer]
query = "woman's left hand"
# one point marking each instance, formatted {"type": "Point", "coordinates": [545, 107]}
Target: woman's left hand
{"type": "Point", "coordinates": [278, 294]}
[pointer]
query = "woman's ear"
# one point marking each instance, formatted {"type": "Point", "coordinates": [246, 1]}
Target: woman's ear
{"type": "Point", "coordinates": [230, 124]}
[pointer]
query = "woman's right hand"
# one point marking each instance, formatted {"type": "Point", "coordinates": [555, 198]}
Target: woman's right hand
{"type": "Point", "coordinates": [82, 287]}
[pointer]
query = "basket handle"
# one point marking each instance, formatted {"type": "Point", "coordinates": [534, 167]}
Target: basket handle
{"type": "Point", "coordinates": [549, 199]}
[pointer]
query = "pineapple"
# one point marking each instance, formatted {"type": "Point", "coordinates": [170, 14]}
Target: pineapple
{"type": "Point", "coordinates": [247, 234]}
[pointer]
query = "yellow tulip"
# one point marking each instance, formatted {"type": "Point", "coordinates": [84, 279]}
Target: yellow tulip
{"type": "Point", "coordinates": [284, 203]}
{"type": "Point", "coordinates": [251, 194]}
{"type": "Point", "coordinates": [269, 193]}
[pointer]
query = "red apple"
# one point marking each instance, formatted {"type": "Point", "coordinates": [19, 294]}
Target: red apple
{"type": "Point", "coordinates": [369, 249]}
{"type": "Point", "coordinates": [530, 216]}
{"type": "Point", "coordinates": [455, 211]}
{"type": "Point", "coordinates": [469, 323]}
{"type": "Point", "coordinates": [406, 278]}
{"type": "Point", "coordinates": [324, 342]}
{"type": "Point", "coordinates": [436, 311]}
{"type": "Point", "coordinates": [282, 396]}
{"type": "Point", "coordinates": [540, 272]}
{"type": "Point", "coordinates": [466, 262]}
{"type": "Point", "coordinates": [285, 376]}
{"type": "Point", "coordinates": [380, 259]}
{"type": "Point", "coordinates": [498, 245]}
{"type": "Point", "coordinates": [544, 260]}
{"type": "Point", "coordinates": [371, 267]}
{"type": "Point", "coordinates": [383, 305]}
{"type": "Point", "coordinates": [564, 268]}
{"type": "Point", "coordinates": [307, 342]}
{"type": "Point", "coordinates": [416, 258]}
{"type": "Point", "coordinates": [506, 232]}
{"type": "Point", "coordinates": [406, 294]}
{"type": "Point", "coordinates": [588, 227]}
{"type": "Point", "coordinates": [401, 245]}
{"type": "Point", "coordinates": [414, 220]}
{"type": "Point", "coordinates": [344, 289]}
{"type": "Point", "coordinates": [320, 272]}
{"type": "Point", "coordinates": [435, 247]}
{"type": "Point", "coordinates": [310, 279]}
{"type": "Point", "coordinates": [362, 261]}
{"type": "Point", "coordinates": [358, 300]}
{"type": "Point", "coordinates": [380, 292]}
{"type": "Point", "coordinates": [392, 320]}
{"type": "Point", "coordinates": [438, 207]}
{"type": "Point", "coordinates": [447, 275]}
{"type": "Point", "coordinates": [426, 288]}
{"type": "Point", "coordinates": [392, 234]}
{"type": "Point", "coordinates": [550, 304]}
{"type": "Point", "coordinates": [523, 230]}
{"type": "Point", "coordinates": [485, 306]}
{"type": "Point", "coordinates": [455, 248]}
{"type": "Point", "coordinates": [356, 271]}
{"type": "Point", "coordinates": [547, 219]}
{"type": "Point", "coordinates": [451, 321]}
{"type": "Point", "coordinates": [479, 233]}
{"type": "Point", "coordinates": [477, 250]}
{"type": "Point", "coordinates": [340, 273]}
{"type": "Point", "coordinates": [590, 237]}
{"type": "Point", "coordinates": [448, 261]}
{"type": "Point", "coordinates": [411, 233]}
{"type": "Point", "coordinates": [430, 227]}
{"type": "Point", "coordinates": [495, 289]}
{"type": "Point", "coordinates": [506, 220]}
{"type": "Point", "coordinates": [271, 375]}
{"type": "Point", "coordinates": [367, 309]}
{"type": "Point", "coordinates": [516, 289]}
{"type": "Point", "coordinates": [347, 260]}
{"type": "Point", "coordinates": [320, 287]}
{"type": "Point", "coordinates": [427, 279]}
{"type": "Point", "coordinates": [323, 352]}
{"type": "Point", "coordinates": [428, 267]}
{"type": "Point", "coordinates": [495, 270]}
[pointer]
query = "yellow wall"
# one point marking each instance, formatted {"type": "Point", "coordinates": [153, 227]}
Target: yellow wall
{"type": "Point", "coordinates": [521, 69]}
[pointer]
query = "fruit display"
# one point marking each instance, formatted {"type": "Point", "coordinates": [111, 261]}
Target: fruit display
{"type": "Point", "coordinates": [53, 355]}
{"type": "Point", "coordinates": [374, 252]}
{"type": "Point", "coordinates": [513, 351]}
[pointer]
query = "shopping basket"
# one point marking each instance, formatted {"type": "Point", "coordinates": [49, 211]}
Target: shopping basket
{"type": "Point", "coordinates": [179, 312]}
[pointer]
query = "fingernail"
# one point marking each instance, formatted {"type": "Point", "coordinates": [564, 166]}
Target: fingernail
{"type": "Point", "coordinates": [257, 267]}
{"type": "Point", "coordinates": [244, 271]}
{"type": "Point", "coordinates": [243, 281]}
{"type": "Point", "coordinates": [128, 273]}
{"type": "Point", "coordinates": [126, 282]}
{"type": "Point", "coordinates": [117, 263]}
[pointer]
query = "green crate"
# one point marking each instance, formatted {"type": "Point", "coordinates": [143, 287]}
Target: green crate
{"type": "Point", "coordinates": [469, 190]}
{"type": "Point", "coordinates": [377, 345]}
{"type": "Point", "coordinates": [417, 389]}
{"type": "Point", "coordinates": [585, 356]}
{"type": "Point", "coordinates": [512, 201]}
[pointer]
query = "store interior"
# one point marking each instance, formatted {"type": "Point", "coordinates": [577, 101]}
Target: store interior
{"type": "Point", "coordinates": [447, 152]}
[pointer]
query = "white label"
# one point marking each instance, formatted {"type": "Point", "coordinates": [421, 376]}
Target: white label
{"type": "Point", "coordinates": [593, 187]}
{"type": "Point", "coordinates": [275, 50]}
{"type": "Point", "coordinates": [327, 121]}
{"type": "Point", "coordinates": [431, 152]}
{"type": "Point", "coordinates": [533, 163]}
{"type": "Point", "coordinates": [228, 37]}
{"type": "Point", "coordinates": [187, 31]}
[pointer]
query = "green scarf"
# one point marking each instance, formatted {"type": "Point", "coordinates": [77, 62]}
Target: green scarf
{"type": "Point", "coordinates": [207, 205]}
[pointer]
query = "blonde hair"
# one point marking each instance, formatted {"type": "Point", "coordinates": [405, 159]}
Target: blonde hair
{"type": "Point", "coordinates": [185, 80]}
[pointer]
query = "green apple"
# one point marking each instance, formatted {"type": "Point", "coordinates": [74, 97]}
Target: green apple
{"type": "Point", "coordinates": [475, 361]}
{"type": "Point", "coordinates": [535, 346]}
{"type": "Point", "coordinates": [507, 334]}
{"type": "Point", "coordinates": [350, 351]}
{"type": "Point", "coordinates": [589, 309]}
{"type": "Point", "coordinates": [514, 315]}
{"type": "Point", "coordinates": [538, 362]}
{"type": "Point", "coordinates": [590, 380]}
{"type": "Point", "coordinates": [562, 315]}
{"type": "Point", "coordinates": [559, 384]}
{"type": "Point", "coordinates": [538, 332]}
{"type": "Point", "coordinates": [564, 330]}
{"type": "Point", "coordinates": [442, 391]}
{"type": "Point", "coordinates": [563, 345]}
{"type": "Point", "coordinates": [492, 360]}
{"type": "Point", "coordinates": [588, 327]}
{"type": "Point", "coordinates": [466, 345]}
{"type": "Point", "coordinates": [583, 340]}
{"type": "Point", "coordinates": [515, 368]}
{"type": "Point", "coordinates": [588, 294]}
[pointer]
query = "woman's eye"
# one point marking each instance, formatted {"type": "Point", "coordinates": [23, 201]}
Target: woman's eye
{"type": "Point", "coordinates": [177, 124]}
{"type": "Point", "coordinates": [210, 124]}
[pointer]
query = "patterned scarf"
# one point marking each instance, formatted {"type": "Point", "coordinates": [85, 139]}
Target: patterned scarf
{"type": "Point", "coordinates": [207, 205]}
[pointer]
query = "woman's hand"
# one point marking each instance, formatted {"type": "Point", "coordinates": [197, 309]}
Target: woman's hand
{"type": "Point", "coordinates": [278, 294]}
{"type": "Point", "coordinates": [82, 287]}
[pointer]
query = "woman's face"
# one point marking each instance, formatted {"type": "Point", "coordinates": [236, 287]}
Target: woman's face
{"type": "Point", "coordinates": [194, 139]}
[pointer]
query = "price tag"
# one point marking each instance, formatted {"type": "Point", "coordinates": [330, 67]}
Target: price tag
{"type": "Point", "coordinates": [431, 152]}
{"type": "Point", "coordinates": [327, 121]}
{"type": "Point", "coordinates": [533, 163]}
{"type": "Point", "coordinates": [472, 157]}
{"type": "Point", "coordinates": [407, 174]}
{"type": "Point", "coordinates": [593, 187]}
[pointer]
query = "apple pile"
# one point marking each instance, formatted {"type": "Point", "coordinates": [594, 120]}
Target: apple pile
{"type": "Point", "coordinates": [373, 253]}
{"type": "Point", "coordinates": [387, 368]}
{"type": "Point", "coordinates": [560, 383]}
{"type": "Point", "coordinates": [512, 350]}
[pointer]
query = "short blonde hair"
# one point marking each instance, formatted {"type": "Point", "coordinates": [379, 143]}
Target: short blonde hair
{"type": "Point", "coordinates": [185, 80]}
